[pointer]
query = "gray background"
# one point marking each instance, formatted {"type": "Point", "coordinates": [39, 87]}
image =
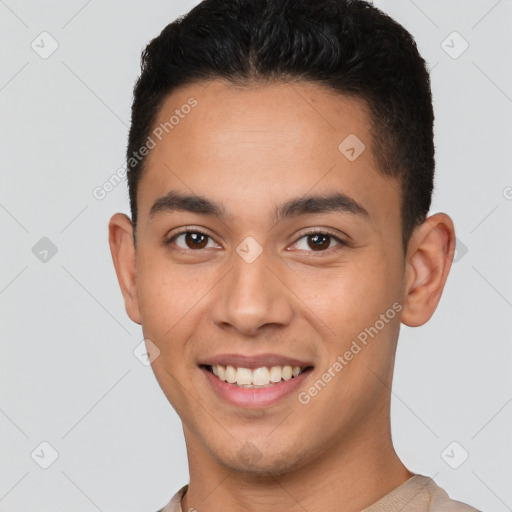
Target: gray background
{"type": "Point", "coordinates": [68, 375]}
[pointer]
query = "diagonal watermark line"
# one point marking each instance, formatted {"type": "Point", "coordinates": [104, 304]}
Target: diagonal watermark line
{"type": "Point", "coordinates": [307, 191]}
{"type": "Point", "coordinates": [492, 81]}
{"type": "Point", "coordinates": [13, 13]}
{"type": "Point", "coordinates": [188, 186]}
{"type": "Point", "coordinates": [290, 495]}
{"type": "Point", "coordinates": [94, 93]}
{"type": "Point", "coordinates": [385, 384]}
{"type": "Point", "coordinates": [425, 424]}
{"type": "Point", "coordinates": [493, 287]}
{"type": "Point", "coordinates": [491, 490]}
{"type": "Point", "coordinates": [13, 423]}
{"type": "Point", "coordinates": [231, 471]}
{"type": "Point", "coordinates": [192, 307]}
{"type": "Point", "coordinates": [14, 485]}
{"type": "Point", "coordinates": [106, 393]}
{"type": "Point", "coordinates": [88, 497]}
{"type": "Point", "coordinates": [76, 14]}
{"type": "Point", "coordinates": [501, 409]}
{"type": "Point", "coordinates": [488, 215]}
{"type": "Point", "coordinates": [209, 82]}
{"type": "Point", "coordinates": [417, 493]}
{"type": "Point", "coordinates": [331, 331]}
{"type": "Point", "coordinates": [280, 423]}
{"type": "Point", "coordinates": [316, 110]}
{"type": "Point", "coordinates": [14, 218]}
{"type": "Point", "coordinates": [433, 67]}
{"type": "Point", "coordinates": [485, 15]}
{"type": "Point", "coordinates": [175, 175]}
{"type": "Point", "coordinates": [96, 300]}
{"type": "Point", "coordinates": [198, 402]}
{"type": "Point", "coordinates": [13, 279]}
{"type": "Point", "coordinates": [74, 218]}
{"type": "Point", "coordinates": [14, 76]}
{"type": "Point", "coordinates": [424, 13]}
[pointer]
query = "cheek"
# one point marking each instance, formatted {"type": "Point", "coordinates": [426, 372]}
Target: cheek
{"type": "Point", "coordinates": [168, 292]}
{"type": "Point", "coordinates": [351, 297]}
{"type": "Point", "coordinates": [172, 301]}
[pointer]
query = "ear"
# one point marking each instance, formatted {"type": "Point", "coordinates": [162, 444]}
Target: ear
{"type": "Point", "coordinates": [120, 238]}
{"type": "Point", "coordinates": [428, 262]}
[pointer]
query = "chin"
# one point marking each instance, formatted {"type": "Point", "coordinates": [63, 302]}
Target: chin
{"type": "Point", "coordinates": [251, 460]}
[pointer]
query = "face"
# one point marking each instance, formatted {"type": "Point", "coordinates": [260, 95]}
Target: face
{"type": "Point", "coordinates": [286, 273]}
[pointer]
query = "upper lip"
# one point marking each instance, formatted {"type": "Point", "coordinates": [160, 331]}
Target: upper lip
{"type": "Point", "coordinates": [251, 362]}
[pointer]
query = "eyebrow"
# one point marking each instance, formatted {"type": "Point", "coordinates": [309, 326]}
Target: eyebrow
{"type": "Point", "coordinates": [331, 203]}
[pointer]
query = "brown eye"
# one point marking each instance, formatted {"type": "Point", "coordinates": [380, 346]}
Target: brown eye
{"type": "Point", "coordinates": [190, 240]}
{"type": "Point", "coordinates": [196, 240]}
{"type": "Point", "coordinates": [318, 241]}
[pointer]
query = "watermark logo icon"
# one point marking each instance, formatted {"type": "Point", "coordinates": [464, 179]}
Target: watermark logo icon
{"type": "Point", "coordinates": [454, 455]}
{"type": "Point", "coordinates": [249, 454]}
{"type": "Point", "coordinates": [454, 45]}
{"type": "Point", "coordinates": [146, 352]}
{"type": "Point", "coordinates": [351, 147]}
{"type": "Point", "coordinates": [44, 455]}
{"type": "Point", "coordinates": [249, 249]}
{"type": "Point", "coordinates": [460, 250]}
{"type": "Point", "coordinates": [44, 45]}
{"type": "Point", "coordinates": [44, 250]}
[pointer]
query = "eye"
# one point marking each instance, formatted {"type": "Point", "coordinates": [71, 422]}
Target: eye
{"type": "Point", "coordinates": [313, 241]}
{"type": "Point", "coordinates": [192, 240]}
{"type": "Point", "coordinates": [318, 241]}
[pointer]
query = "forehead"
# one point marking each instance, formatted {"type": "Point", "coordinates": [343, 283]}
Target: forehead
{"type": "Point", "coordinates": [305, 114]}
{"type": "Point", "coordinates": [263, 141]}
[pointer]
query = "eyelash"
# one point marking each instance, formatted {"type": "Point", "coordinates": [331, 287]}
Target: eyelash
{"type": "Point", "coordinates": [341, 243]}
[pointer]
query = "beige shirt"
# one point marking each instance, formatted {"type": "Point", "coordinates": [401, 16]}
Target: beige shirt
{"type": "Point", "coordinates": [418, 494]}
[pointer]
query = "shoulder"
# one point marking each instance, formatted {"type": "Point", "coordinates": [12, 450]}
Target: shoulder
{"type": "Point", "coordinates": [440, 501]}
{"type": "Point", "coordinates": [419, 494]}
{"type": "Point", "coordinates": [174, 504]}
{"type": "Point", "coordinates": [445, 504]}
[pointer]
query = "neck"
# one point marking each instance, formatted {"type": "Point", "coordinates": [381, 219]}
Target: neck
{"type": "Point", "coordinates": [349, 475]}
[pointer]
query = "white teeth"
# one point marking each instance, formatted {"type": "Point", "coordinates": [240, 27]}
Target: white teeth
{"type": "Point", "coordinates": [263, 376]}
{"type": "Point", "coordinates": [230, 374]}
{"type": "Point", "coordinates": [243, 376]}
{"type": "Point", "coordinates": [287, 372]}
{"type": "Point", "coordinates": [275, 374]}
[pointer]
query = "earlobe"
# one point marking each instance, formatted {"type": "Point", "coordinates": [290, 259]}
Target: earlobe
{"type": "Point", "coordinates": [429, 260]}
{"type": "Point", "coordinates": [120, 237]}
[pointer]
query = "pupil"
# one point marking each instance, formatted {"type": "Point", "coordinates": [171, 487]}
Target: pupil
{"type": "Point", "coordinates": [323, 245]}
{"type": "Point", "coordinates": [194, 237]}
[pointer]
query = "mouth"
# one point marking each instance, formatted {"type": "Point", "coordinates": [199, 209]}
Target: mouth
{"type": "Point", "coordinates": [262, 380]}
{"type": "Point", "coordinates": [255, 378]}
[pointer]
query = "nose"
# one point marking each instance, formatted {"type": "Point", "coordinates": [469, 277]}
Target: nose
{"type": "Point", "coordinates": [251, 297]}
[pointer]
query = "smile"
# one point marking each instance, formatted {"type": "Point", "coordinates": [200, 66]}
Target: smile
{"type": "Point", "coordinates": [261, 377]}
{"type": "Point", "coordinates": [259, 386]}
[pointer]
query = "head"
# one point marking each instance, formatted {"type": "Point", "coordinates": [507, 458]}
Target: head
{"type": "Point", "coordinates": [294, 141]}
{"type": "Point", "coordinates": [349, 47]}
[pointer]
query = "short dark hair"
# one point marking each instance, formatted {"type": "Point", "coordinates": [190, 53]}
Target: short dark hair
{"type": "Point", "coordinates": [349, 46]}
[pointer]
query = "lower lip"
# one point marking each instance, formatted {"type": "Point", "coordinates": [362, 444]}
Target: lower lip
{"type": "Point", "coordinates": [254, 397]}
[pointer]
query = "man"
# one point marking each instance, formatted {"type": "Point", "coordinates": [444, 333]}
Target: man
{"type": "Point", "coordinates": [281, 165]}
